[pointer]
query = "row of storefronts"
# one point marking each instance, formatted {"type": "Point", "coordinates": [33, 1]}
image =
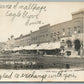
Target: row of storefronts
{"type": "Point", "coordinates": [67, 36]}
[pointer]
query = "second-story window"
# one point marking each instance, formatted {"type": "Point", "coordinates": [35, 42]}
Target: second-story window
{"type": "Point", "coordinates": [69, 31]}
{"type": "Point", "coordinates": [46, 34]}
{"type": "Point", "coordinates": [78, 29]}
{"type": "Point", "coordinates": [54, 33]}
{"type": "Point", "coordinates": [43, 35]}
{"type": "Point", "coordinates": [58, 35]}
{"type": "Point", "coordinates": [75, 29]}
{"type": "Point", "coordinates": [51, 35]}
{"type": "Point", "coordinates": [36, 38]}
{"type": "Point", "coordinates": [63, 32]}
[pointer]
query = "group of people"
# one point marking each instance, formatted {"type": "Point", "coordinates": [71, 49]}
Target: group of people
{"type": "Point", "coordinates": [65, 51]}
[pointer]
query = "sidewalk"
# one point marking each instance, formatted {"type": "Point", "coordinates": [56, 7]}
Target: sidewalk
{"type": "Point", "coordinates": [74, 54]}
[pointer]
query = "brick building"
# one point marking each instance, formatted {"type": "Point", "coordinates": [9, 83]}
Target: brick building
{"type": "Point", "coordinates": [22, 41]}
{"type": "Point", "coordinates": [71, 32]}
{"type": "Point", "coordinates": [41, 36]}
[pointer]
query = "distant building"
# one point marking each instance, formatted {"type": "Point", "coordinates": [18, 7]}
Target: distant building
{"type": "Point", "coordinates": [22, 41]}
{"type": "Point", "coordinates": [2, 46]}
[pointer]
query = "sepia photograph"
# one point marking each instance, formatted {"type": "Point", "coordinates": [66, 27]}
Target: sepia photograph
{"type": "Point", "coordinates": [41, 41]}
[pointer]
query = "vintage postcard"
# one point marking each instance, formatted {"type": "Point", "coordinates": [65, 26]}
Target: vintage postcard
{"type": "Point", "coordinates": [41, 41]}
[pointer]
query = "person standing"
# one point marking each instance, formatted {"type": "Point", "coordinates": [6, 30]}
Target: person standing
{"type": "Point", "coordinates": [81, 50]}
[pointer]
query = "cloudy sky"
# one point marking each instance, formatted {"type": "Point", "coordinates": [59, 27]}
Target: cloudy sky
{"type": "Point", "coordinates": [56, 12]}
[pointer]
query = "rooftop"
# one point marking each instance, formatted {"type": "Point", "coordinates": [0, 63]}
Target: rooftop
{"type": "Point", "coordinates": [79, 11]}
{"type": "Point", "coordinates": [22, 36]}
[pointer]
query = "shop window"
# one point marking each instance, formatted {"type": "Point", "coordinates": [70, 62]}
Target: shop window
{"type": "Point", "coordinates": [37, 44]}
{"type": "Point", "coordinates": [77, 44]}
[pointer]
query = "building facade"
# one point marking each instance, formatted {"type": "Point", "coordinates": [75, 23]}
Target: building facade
{"type": "Point", "coordinates": [22, 41]}
{"type": "Point", "coordinates": [41, 36]}
{"type": "Point", "coordinates": [71, 32]}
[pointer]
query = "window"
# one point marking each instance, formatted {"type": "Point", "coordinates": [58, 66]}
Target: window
{"type": "Point", "coordinates": [78, 29]}
{"type": "Point", "coordinates": [51, 35]}
{"type": "Point", "coordinates": [46, 34]}
{"type": "Point", "coordinates": [36, 38]}
{"type": "Point", "coordinates": [57, 32]}
{"type": "Point", "coordinates": [37, 44]}
{"type": "Point", "coordinates": [75, 29]}
{"type": "Point", "coordinates": [43, 35]}
{"type": "Point", "coordinates": [54, 33]}
{"type": "Point", "coordinates": [58, 35]}
{"type": "Point", "coordinates": [40, 36]}
{"type": "Point", "coordinates": [63, 30]}
{"type": "Point", "coordinates": [69, 31]}
{"type": "Point", "coordinates": [62, 40]}
{"type": "Point", "coordinates": [69, 44]}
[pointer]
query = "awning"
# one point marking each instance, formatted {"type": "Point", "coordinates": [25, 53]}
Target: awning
{"type": "Point", "coordinates": [31, 47]}
{"type": "Point", "coordinates": [7, 49]}
{"type": "Point", "coordinates": [53, 45]}
{"type": "Point", "coordinates": [26, 47]}
{"type": "Point", "coordinates": [18, 48]}
{"type": "Point", "coordinates": [48, 46]}
{"type": "Point", "coordinates": [41, 46]}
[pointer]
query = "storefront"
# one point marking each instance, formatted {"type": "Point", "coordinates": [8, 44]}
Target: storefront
{"type": "Point", "coordinates": [74, 43]}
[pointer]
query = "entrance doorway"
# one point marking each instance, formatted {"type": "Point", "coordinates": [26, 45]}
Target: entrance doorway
{"type": "Point", "coordinates": [69, 43]}
{"type": "Point", "coordinates": [77, 44]}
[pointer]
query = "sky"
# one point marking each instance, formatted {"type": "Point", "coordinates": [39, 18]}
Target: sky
{"type": "Point", "coordinates": [56, 12]}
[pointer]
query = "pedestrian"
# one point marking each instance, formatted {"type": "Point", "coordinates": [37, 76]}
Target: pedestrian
{"type": "Point", "coordinates": [81, 51]}
{"type": "Point", "coordinates": [62, 52]}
